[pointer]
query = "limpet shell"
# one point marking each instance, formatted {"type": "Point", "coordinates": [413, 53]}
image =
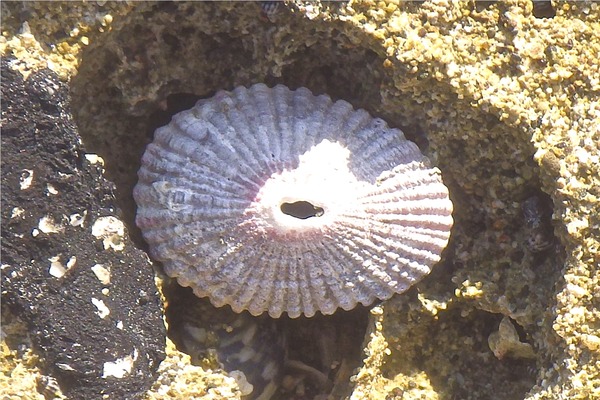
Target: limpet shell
{"type": "Point", "coordinates": [277, 200]}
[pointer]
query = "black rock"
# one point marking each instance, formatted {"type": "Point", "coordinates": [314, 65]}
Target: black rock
{"type": "Point", "coordinates": [99, 340]}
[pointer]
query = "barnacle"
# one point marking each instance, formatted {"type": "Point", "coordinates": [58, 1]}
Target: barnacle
{"type": "Point", "coordinates": [269, 199]}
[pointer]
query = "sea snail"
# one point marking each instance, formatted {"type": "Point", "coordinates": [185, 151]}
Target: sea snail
{"type": "Point", "coordinates": [276, 200]}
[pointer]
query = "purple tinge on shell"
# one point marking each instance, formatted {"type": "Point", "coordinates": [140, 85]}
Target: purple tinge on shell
{"type": "Point", "coordinates": [271, 199]}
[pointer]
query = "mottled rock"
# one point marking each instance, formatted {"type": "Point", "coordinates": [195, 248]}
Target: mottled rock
{"type": "Point", "coordinates": [92, 311]}
{"type": "Point", "coordinates": [502, 96]}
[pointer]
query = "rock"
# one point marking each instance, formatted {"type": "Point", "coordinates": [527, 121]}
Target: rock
{"type": "Point", "coordinates": [85, 292]}
{"type": "Point", "coordinates": [501, 96]}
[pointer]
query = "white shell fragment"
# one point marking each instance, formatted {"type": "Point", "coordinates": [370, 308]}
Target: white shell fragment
{"type": "Point", "coordinates": [269, 199]}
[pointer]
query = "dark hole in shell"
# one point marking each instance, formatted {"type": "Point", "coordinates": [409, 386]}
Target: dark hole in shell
{"type": "Point", "coordinates": [301, 210]}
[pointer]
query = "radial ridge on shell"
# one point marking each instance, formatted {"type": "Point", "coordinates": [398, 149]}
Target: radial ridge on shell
{"type": "Point", "coordinates": [277, 200]}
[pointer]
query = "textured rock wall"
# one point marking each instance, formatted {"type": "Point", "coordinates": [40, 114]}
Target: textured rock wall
{"type": "Point", "coordinates": [503, 96]}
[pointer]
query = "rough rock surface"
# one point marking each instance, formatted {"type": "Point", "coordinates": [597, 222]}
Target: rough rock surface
{"type": "Point", "coordinates": [85, 293]}
{"type": "Point", "coordinates": [503, 96]}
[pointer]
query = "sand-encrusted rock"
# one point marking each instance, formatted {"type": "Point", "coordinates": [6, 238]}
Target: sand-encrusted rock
{"type": "Point", "coordinates": [480, 86]}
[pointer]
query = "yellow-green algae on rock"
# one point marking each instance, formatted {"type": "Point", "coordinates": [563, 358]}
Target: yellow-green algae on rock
{"type": "Point", "coordinates": [43, 35]}
{"type": "Point", "coordinates": [539, 79]}
{"type": "Point", "coordinates": [507, 95]}
{"type": "Point", "coordinates": [20, 366]}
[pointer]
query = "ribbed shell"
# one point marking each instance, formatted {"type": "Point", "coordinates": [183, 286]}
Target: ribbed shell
{"type": "Point", "coordinates": [213, 181]}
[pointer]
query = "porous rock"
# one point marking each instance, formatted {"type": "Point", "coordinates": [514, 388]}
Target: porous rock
{"type": "Point", "coordinates": [502, 96]}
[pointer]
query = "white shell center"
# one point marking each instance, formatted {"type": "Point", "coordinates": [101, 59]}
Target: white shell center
{"type": "Point", "coordinates": [322, 179]}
